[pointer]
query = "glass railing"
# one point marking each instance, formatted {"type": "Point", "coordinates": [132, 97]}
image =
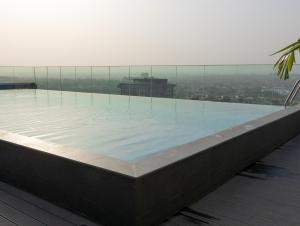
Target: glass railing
{"type": "Point", "coordinates": [257, 84]}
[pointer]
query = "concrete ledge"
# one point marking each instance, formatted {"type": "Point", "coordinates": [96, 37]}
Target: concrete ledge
{"type": "Point", "coordinates": [146, 191]}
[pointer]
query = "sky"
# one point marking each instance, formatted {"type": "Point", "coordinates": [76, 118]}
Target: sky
{"type": "Point", "coordinates": [142, 32]}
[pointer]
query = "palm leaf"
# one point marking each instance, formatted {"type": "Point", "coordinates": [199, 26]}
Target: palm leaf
{"type": "Point", "coordinates": [288, 47]}
{"type": "Point", "coordinates": [284, 64]}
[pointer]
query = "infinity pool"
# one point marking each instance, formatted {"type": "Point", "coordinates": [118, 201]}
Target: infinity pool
{"type": "Point", "coordinates": [122, 127]}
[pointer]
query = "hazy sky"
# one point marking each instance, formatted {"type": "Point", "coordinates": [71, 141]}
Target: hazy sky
{"type": "Point", "coordinates": [121, 32]}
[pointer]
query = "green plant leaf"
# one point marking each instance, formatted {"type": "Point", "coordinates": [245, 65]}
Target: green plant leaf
{"type": "Point", "coordinates": [285, 48]}
{"type": "Point", "coordinates": [291, 61]}
{"type": "Point", "coordinates": [284, 64]}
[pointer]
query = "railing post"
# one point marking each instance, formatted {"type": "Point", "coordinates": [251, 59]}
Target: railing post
{"type": "Point", "coordinates": [151, 85]}
{"type": "Point", "coordinates": [91, 79]}
{"type": "Point", "coordinates": [60, 78]}
{"type": "Point", "coordinates": [75, 75]}
{"type": "Point", "coordinates": [34, 75]}
{"type": "Point", "coordinates": [109, 79]}
{"type": "Point", "coordinates": [14, 74]}
{"type": "Point", "coordinates": [47, 77]}
{"type": "Point", "coordinates": [176, 74]}
{"type": "Point", "coordinates": [109, 98]}
{"type": "Point", "coordinates": [129, 75]}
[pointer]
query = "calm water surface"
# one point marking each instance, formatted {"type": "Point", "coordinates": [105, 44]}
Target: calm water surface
{"type": "Point", "coordinates": [123, 127]}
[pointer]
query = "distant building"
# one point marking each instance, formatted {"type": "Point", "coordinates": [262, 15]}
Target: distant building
{"type": "Point", "coordinates": [147, 86]}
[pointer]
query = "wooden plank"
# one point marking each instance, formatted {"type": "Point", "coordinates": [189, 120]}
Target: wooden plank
{"type": "Point", "coordinates": [40, 209]}
{"type": "Point", "coordinates": [17, 217]}
{"type": "Point", "coordinates": [35, 200]}
{"type": "Point", "coordinates": [32, 210]}
{"type": "Point", "coordinates": [80, 221]}
{"type": "Point", "coordinates": [265, 194]}
{"type": "Point", "coordinates": [6, 222]}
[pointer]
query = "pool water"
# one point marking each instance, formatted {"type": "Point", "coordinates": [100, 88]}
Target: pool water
{"type": "Point", "coordinates": [122, 127]}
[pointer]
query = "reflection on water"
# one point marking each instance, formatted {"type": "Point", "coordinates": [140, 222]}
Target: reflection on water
{"type": "Point", "coordinates": [124, 127]}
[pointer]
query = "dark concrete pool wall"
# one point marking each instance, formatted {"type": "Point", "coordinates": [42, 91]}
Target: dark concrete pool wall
{"type": "Point", "coordinates": [142, 192]}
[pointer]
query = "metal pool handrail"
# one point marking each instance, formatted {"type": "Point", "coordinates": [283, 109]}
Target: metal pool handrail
{"type": "Point", "coordinates": [293, 93]}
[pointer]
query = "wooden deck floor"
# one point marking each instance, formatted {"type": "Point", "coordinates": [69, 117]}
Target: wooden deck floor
{"type": "Point", "coordinates": [265, 194]}
{"type": "Point", "coordinates": [20, 208]}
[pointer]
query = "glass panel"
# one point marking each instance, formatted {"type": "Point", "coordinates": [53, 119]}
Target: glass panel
{"type": "Point", "coordinates": [100, 78]}
{"type": "Point", "coordinates": [220, 83]}
{"type": "Point", "coordinates": [41, 75]}
{"type": "Point", "coordinates": [54, 78]}
{"type": "Point", "coordinates": [84, 79]}
{"type": "Point", "coordinates": [190, 82]}
{"type": "Point", "coordinates": [24, 74]}
{"type": "Point", "coordinates": [140, 82]}
{"type": "Point", "coordinates": [260, 85]}
{"type": "Point", "coordinates": [119, 78]}
{"type": "Point", "coordinates": [6, 74]}
{"type": "Point", "coordinates": [164, 81]}
{"type": "Point", "coordinates": [257, 84]}
{"type": "Point", "coordinates": [68, 82]}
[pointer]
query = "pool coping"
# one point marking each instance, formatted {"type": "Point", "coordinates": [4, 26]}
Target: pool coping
{"type": "Point", "coordinates": [143, 191]}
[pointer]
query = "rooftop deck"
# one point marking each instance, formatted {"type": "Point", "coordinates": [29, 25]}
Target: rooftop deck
{"type": "Point", "coordinates": [267, 193]}
{"type": "Point", "coordinates": [20, 208]}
